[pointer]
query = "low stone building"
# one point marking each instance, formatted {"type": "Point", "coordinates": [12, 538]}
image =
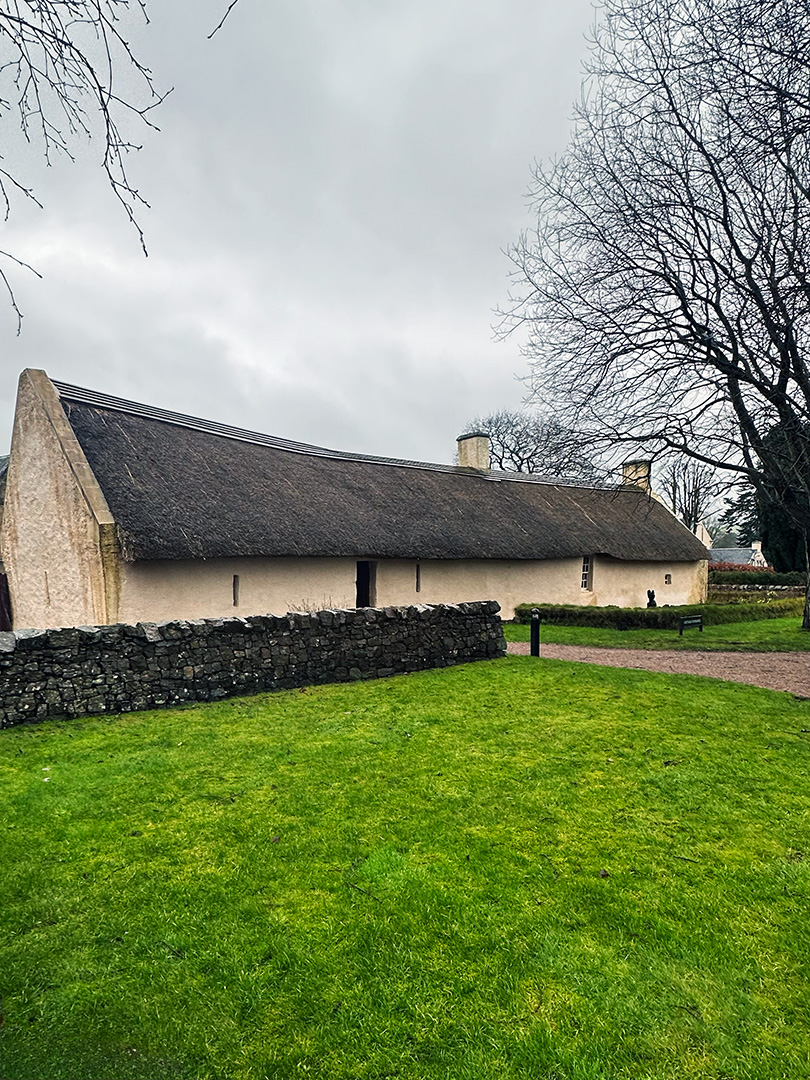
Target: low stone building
{"type": "Point", "coordinates": [118, 512]}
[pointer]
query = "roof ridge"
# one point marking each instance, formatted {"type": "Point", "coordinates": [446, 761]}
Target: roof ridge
{"type": "Point", "coordinates": [69, 392]}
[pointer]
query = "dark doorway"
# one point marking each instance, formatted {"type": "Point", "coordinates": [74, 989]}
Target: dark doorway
{"type": "Point", "coordinates": [366, 584]}
{"type": "Point", "coordinates": [5, 604]}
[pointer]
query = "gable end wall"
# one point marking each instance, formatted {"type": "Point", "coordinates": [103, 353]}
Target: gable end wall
{"type": "Point", "coordinates": [58, 536]}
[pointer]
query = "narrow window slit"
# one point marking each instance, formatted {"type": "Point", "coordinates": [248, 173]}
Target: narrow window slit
{"type": "Point", "coordinates": [236, 590]}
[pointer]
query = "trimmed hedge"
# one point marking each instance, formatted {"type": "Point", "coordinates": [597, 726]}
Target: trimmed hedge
{"type": "Point", "coordinates": [658, 618]}
{"type": "Point", "coordinates": [755, 577]}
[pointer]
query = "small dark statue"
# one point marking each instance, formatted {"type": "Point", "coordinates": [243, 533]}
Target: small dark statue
{"type": "Point", "coordinates": [651, 598]}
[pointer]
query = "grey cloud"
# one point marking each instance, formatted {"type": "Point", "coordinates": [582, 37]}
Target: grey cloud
{"type": "Point", "coordinates": [331, 189]}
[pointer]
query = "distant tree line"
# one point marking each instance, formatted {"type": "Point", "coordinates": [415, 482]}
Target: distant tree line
{"type": "Point", "coordinates": [523, 441]}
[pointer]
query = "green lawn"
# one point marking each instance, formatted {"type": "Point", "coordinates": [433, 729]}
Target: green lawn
{"type": "Point", "coordinates": [509, 869]}
{"type": "Point", "coordinates": [768, 635]}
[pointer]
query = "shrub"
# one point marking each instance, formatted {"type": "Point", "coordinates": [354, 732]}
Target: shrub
{"type": "Point", "coordinates": [738, 568]}
{"type": "Point", "coordinates": [753, 576]}
{"type": "Point", "coordinates": [659, 618]}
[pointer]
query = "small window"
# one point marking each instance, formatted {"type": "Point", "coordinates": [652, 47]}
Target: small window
{"type": "Point", "coordinates": [667, 579]}
{"type": "Point", "coordinates": [236, 590]}
{"type": "Point", "coordinates": [418, 577]}
{"type": "Point", "coordinates": [586, 581]}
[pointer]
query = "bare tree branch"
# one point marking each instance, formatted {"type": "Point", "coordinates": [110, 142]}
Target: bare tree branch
{"type": "Point", "coordinates": [67, 75]}
{"type": "Point", "coordinates": [527, 442]}
{"type": "Point", "coordinates": [61, 63]}
{"type": "Point", "coordinates": [690, 488]}
{"type": "Point", "coordinates": [221, 22]}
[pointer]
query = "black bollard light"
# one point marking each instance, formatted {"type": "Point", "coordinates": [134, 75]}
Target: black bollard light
{"type": "Point", "coordinates": [535, 632]}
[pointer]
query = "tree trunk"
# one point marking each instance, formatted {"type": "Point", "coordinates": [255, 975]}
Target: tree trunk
{"type": "Point", "coordinates": [806, 615]}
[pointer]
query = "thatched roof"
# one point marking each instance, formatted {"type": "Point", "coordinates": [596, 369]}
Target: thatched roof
{"type": "Point", "coordinates": [181, 488]}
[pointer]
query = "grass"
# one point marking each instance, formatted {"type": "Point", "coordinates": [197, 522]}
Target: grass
{"type": "Point", "coordinates": [504, 870]}
{"type": "Point", "coordinates": [770, 635]}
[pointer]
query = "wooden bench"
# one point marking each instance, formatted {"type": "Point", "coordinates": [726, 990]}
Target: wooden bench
{"type": "Point", "coordinates": [689, 622]}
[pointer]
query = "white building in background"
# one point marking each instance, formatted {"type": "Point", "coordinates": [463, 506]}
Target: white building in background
{"type": "Point", "coordinates": [741, 556]}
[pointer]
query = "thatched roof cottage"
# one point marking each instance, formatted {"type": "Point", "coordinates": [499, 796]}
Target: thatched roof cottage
{"type": "Point", "coordinates": [118, 512]}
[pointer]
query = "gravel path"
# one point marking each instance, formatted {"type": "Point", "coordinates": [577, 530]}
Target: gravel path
{"type": "Point", "coordinates": [775, 671]}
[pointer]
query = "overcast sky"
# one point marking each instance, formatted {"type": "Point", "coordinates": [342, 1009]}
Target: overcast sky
{"type": "Point", "coordinates": [331, 192]}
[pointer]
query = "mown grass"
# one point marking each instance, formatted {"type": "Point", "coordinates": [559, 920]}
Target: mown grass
{"type": "Point", "coordinates": [508, 869]}
{"type": "Point", "coordinates": [770, 635]}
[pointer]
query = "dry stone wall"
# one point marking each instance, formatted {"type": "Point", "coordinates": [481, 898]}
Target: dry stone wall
{"type": "Point", "coordinates": [96, 669]}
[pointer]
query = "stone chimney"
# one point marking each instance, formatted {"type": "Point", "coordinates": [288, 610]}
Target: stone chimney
{"type": "Point", "coordinates": [637, 474]}
{"type": "Point", "coordinates": [473, 450]}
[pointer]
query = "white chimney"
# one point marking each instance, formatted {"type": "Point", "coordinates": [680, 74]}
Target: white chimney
{"type": "Point", "coordinates": [473, 450]}
{"type": "Point", "coordinates": [637, 474]}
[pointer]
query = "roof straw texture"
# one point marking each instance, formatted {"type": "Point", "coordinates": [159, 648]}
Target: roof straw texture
{"type": "Point", "coordinates": [185, 489]}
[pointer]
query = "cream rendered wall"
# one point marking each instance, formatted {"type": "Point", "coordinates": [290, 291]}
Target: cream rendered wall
{"type": "Point", "coordinates": [449, 581]}
{"type": "Point", "coordinates": [188, 589]}
{"type": "Point", "coordinates": [550, 581]}
{"type": "Point", "coordinates": [626, 583]}
{"type": "Point", "coordinates": [52, 528]}
{"type": "Point", "coordinates": [156, 591]}
{"type": "Point", "coordinates": [192, 589]}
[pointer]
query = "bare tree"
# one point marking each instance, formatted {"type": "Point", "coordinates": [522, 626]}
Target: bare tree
{"type": "Point", "coordinates": [526, 442]}
{"type": "Point", "coordinates": [68, 73]}
{"type": "Point", "coordinates": [666, 289]}
{"type": "Point", "coordinates": [690, 489]}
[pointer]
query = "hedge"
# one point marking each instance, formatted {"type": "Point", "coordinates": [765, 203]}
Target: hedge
{"type": "Point", "coordinates": [755, 577]}
{"type": "Point", "coordinates": [658, 618]}
{"type": "Point", "coordinates": [739, 568]}
{"type": "Point", "coordinates": [756, 594]}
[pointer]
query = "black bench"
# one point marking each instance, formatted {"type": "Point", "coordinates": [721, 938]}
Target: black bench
{"type": "Point", "coordinates": [689, 622]}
